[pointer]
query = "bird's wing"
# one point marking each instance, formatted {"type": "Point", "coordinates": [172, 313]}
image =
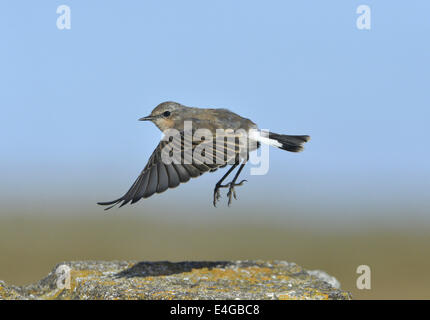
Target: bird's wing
{"type": "Point", "coordinates": [158, 175]}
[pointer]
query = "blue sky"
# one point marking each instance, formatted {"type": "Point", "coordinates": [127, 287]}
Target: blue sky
{"type": "Point", "coordinates": [70, 100]}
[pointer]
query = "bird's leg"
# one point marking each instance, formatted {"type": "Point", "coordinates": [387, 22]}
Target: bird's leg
{"type": "Point", "coordinates": [231, 185]}
{"type": "Point", "coordinates": [231, 192]}
{"type": "Point", "coordinates": [219, 185]}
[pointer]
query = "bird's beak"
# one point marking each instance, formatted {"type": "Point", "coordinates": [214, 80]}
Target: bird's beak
{"type": "Point", "coordinates": [148, 118]}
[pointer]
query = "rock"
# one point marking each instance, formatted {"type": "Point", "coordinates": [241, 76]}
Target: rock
{"type": "Point", "coordinates": [324, 276]}
{"type": "Point", "coordinates": [179, 280]}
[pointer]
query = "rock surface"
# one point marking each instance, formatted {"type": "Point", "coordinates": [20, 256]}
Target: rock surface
{"type": "Point", "coordinates": [179, 280]}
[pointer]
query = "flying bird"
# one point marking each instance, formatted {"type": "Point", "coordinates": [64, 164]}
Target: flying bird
{"type": "Point", "coordinates": [238, 136]}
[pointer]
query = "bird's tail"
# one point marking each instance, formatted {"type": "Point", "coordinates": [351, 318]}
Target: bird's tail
{"type": "Point", "coordinates": [282, 141]}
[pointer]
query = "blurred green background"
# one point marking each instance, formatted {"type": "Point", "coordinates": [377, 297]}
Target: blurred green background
{"type": "Point", "coordinates": [398, 257]}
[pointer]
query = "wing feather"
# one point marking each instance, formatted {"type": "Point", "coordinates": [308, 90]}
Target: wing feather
{"type": "Point", "coordinates": [158, 176]}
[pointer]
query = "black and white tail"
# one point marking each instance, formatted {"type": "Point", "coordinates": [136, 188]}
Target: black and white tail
{"type": "Point", "coordinates": [281, 141]}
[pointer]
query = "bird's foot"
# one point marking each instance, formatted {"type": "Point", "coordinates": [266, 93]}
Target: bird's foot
{"type": "Point", "coordinates": [217, 194]}
{"type": "Point", "coordinates": [230, 194]}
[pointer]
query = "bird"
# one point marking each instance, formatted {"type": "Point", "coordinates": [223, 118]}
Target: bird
{"type": "Point", "coordinates": [233, 130]}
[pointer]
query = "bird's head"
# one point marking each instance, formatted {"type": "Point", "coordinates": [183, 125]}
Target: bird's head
{"type": "Point", "coordinates": [165, 115]}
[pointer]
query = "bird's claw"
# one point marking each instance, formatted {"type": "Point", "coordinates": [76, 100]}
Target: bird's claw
{"type": "Point", "coordinates": [230, 194]}
{"type": "Point", "coordinates": [217, 195]}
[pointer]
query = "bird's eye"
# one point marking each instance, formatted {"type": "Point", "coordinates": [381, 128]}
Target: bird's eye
{"type": "Point", "coordinates": [166, 113]}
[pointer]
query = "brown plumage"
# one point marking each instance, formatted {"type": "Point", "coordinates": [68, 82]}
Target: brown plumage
{"type": "Point", "coordinates": [158, 176]}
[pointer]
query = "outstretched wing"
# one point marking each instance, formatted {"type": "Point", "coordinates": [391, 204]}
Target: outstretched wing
{"type": "Point", "coordinates": [158, 175]}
